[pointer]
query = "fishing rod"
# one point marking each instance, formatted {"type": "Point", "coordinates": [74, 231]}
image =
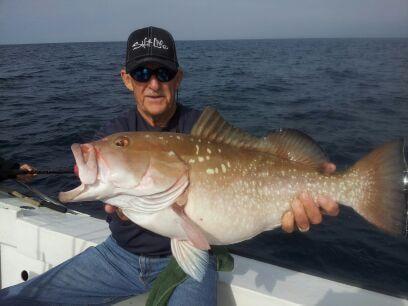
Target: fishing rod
{"type": "Point", "coordinates": [14, 173]}
{"type": "Point", "coordinates": [44, 199]}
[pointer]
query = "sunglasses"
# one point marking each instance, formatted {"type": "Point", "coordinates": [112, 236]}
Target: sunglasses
{"type": "Point", "coordinates": [143, 74]}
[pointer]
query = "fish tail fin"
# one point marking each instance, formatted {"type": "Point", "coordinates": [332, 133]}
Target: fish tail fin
{"type": "Point", "coordinates": [385, 172]}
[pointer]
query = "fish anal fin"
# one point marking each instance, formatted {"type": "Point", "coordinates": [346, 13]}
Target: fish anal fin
{"type": "Point", "coordinates": [193, 232]}
{"type": "Point", "coordinates": [193, 261]}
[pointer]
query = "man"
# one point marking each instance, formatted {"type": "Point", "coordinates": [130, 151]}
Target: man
{"type": "Point", "coordinates": [127, 263]}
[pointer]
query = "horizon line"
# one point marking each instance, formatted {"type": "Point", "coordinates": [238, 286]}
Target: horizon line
{"type": "Point", "coordinates": [216, 39]}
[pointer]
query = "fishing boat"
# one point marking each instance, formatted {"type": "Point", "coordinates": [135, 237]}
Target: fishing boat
{"type": "Point", "coordinates": [36, 238]}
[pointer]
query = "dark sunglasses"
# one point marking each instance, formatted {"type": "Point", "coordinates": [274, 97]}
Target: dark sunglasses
{"type": "Point", "coordinates": [143, 74]}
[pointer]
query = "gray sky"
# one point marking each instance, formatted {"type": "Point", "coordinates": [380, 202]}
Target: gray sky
{"type": "Point", "coordinates": [38, 21]}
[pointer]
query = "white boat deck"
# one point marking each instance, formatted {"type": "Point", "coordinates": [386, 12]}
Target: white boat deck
{"type": "Point", "coordinates": [34, 240]}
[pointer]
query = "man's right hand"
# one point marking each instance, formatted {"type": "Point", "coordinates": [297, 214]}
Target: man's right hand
{"type": "Point", "coordinates": [29, 173]}
{"type": "Point", "coordinates": [110, 209]}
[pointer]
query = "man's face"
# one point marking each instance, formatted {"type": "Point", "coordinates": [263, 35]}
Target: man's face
{"type": "Point", "coordinates": [153, 98]}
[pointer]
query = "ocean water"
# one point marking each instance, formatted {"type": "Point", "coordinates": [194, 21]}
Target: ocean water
{"type": "Point", "coordinates": [350, 95]}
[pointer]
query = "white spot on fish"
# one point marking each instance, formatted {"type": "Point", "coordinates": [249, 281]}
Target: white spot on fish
{"type": "Point", "coordinates": [223, 168]}
{"type": "Point", "coordinates": [161, 137]}
{"type": "Point", "coordinates": [191, 161]}
{"type": "Point", "coordinates": [200, 159]}
{"type": "Point", "coordinates": [219, 150]}
{"type": "Point", "coordinates": [197, 149]}
{"type": "Point", "coordinates": [228, 164]}
{"type": "Point", "coordinates": [209, 151]}
{"type": "Point", "coordinates": [210, 171]}
{"type": "Point", "coordinates": [207, 157]}
{"type": "Point", "coordinates": [178, 137]}
{"type": "Point", "coordinates": [171, 153]}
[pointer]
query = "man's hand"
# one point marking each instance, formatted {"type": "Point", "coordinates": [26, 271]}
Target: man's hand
{"type": "Point", "coordinates": [305, 211]}
{"type": "Point", "coordinates": [30, 173]}
{"type": "Point", "coordinates": [110, 209]}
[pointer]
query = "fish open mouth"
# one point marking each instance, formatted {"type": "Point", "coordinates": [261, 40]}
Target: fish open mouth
{"type": "Point", "coordinates": [85, 159]}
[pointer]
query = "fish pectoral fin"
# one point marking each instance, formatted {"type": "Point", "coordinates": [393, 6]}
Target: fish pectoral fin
{"type": "Point", "coordinates": [193, 232]}
{"type": "Point", "coordinates": [193, 261]}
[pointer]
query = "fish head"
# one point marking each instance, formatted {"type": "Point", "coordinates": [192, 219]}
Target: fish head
{"type": "Point", "coordinates": [115, 164]}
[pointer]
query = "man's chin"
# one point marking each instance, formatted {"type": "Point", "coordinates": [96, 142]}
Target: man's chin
{"type": "Point", "coordinates": [156, 108]}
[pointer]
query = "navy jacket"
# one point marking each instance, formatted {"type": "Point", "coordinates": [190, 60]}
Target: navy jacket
{"type": "Point", "coordinates": [6, 168]}
{"type": "Point", "coordinates": [129, 235]}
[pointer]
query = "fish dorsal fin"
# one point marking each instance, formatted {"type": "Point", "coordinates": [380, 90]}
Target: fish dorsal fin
{"type": "Point", "coordinates": [285, 143]}
{"type": "Point", "coordinates": [213, 127]}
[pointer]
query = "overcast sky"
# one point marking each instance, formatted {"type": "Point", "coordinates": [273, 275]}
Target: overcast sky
{"type": "Point", "coordinates": [38, 21]}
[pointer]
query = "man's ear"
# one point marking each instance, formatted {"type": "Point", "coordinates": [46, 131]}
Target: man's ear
{"type": "Point", "coordinates": [127, 79]}
{"type": "Point", "coordinates": [179, 77]}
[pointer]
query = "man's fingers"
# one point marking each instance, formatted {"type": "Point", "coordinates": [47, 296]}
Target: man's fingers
{"type": "Point", "coordinates": [328, 168]}
{"type": "Point", "coordinates": [110, 209]}
{"type": "Point", "coordinates": [328, 205]}
{"type": "Point", "coordinates": [311, 209]}
{"type": "Point", "coordinates": [28, 176]}
{"type": "Point", "coordinates": [121, 214]}
{"type": "Point", "coordinates": [28, 168]}
{"type": "Point", "coordinates": [288, 222]}
{"type": "Point", "coordinates": [299, 213]}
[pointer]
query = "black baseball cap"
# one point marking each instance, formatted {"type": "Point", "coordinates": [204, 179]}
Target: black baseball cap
{"type": "Point", "coordinates": [149, 45]}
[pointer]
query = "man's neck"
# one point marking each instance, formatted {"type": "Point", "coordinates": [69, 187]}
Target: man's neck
{"type": "Point", "coordinates": [161, 120]}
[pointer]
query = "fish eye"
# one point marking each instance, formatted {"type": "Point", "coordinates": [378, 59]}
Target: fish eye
{"type": "Point", "coordinates": [122, 141]}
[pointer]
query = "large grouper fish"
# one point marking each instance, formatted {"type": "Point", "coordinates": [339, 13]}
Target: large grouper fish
{"type": "Point", "coordinates": [220, 185]}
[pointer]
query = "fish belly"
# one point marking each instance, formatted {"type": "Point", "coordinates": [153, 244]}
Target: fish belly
{"type": "Point", "coordinates": [238, 204]}
{"type": "Point", "coordinates": [236, 212]}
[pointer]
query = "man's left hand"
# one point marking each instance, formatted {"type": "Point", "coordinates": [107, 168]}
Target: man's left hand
{"type": "Point", "coordinates": [306, 211]}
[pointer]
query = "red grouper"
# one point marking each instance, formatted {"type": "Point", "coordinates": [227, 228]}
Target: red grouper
{"type": "Point", "coordinates": [220, 185]}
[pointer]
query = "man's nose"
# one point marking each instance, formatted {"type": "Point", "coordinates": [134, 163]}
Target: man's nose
{"type": "Point", "coordinates": [154, 83]}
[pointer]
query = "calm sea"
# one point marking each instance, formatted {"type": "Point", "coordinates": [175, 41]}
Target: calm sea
{"type": "Point", "coordinates": [351, 95]}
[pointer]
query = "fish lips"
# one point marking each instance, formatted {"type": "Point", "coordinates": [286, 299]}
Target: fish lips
{"type": "Point", "coordinates": [69, 196]}
{"type": "Point", "coordinates": [86, 161]}
{"type": "Point", "coordinates": [85, 158]}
